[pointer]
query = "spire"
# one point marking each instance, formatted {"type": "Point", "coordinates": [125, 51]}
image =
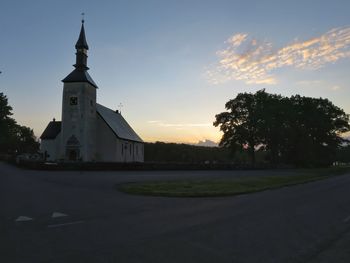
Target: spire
{"type": "Point", "coordinates": [81, 43]}
{"type": "Point", "coordinates": [79, 74]}
{"type": "Point", "coordinates": [82, 47]}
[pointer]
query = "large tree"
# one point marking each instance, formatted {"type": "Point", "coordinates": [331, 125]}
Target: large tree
{"type": "Point", "coordinates": [7, 124]}
{"type": "Point", "coordinates": [298, 130]}
{"type": "Point", "coordinates": [240, 124]}
{"type": "Point", "coordinates": [14, 138]}
{"type": "Point", "coordinates": [316, 128]}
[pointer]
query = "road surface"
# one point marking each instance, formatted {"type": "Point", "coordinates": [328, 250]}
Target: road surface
{"type": "Point", "coordinates": [80, 217]}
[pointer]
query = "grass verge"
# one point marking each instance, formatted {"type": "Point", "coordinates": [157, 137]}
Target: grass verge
{"type": "Point", "coordinates": [228, 187]}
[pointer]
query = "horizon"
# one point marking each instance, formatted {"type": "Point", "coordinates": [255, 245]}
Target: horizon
{"type": "Point", "coordinates": [175, 63]}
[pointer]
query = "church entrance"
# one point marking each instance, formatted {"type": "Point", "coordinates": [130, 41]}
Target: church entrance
{"type": "Point", "coordinates": [72, 149]}
{"type": "Point", "coordinates": [73, 155]}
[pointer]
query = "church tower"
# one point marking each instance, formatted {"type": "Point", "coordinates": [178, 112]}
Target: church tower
{"type": "Point", "coordinates": [78, 132]}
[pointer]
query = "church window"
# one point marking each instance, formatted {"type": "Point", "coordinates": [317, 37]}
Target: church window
{"type": "Point", "coordinates": [130, 149]}
{"type": "Point", "coordinates": [73, 101]}
{"type": "Point", "coordinates": [122, 149]}
{"type": "Point", "coordinates": [72, 141]}
{"type": "Point", "coordinates": [91, 103]}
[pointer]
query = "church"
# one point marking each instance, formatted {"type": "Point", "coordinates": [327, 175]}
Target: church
{"type": "Point", "coordinates": [88, 132]}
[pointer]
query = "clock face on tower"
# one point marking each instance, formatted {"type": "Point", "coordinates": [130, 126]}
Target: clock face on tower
{"type": "Point", "coordinates": [73, 100]}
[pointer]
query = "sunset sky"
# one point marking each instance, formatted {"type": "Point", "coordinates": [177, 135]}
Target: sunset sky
{"type": "Point", "coordinates": [173, 64]}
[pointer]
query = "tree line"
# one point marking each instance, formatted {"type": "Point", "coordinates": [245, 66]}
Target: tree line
{"type": "Point", "coordinates": [14, 138]}
{"type": "Point", "coordinates": [184, 153]}
{"type": "Point", "coordinates": [161, 152]}
{"type": "Point", "coordinates": [296, 130]}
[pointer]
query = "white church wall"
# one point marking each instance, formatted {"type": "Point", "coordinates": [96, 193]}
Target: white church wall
{"type": "Point", "coordinates": [121, 150]}
{"type": "Point", "coordinates": [129, 152]}
{"type": "Point", "coordinates": [110, 148]}
{"type": "Point", "coordinates": [138, 152]}
{"type": "Point", "coordinates": [79, 120]}
{"type": "Point", "coordinates": [51, 147]}
{"type": "Point", "coordinates": [106, 143]}
{"type": "Point", "coordinates": [133, 151]}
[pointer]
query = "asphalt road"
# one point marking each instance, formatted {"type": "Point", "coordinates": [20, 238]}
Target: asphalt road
{"type": "Point", "coordinates": [80, 217]}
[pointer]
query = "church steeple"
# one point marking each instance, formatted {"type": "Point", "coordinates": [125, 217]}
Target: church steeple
{"type": "Point", "coordinates": [81, 43]}
{"type": "Point", "coordinates": [82, 47]}
{"type": "Point", "coordinates": [79, 74]}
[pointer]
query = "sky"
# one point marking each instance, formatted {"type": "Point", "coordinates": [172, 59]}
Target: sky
{"type": "Point", "coordinates": [173, 65]}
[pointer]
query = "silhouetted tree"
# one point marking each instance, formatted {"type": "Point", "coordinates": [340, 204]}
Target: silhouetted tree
{"type": "Point", "coordinates": [343, 154]}
{"type": "Point", "coordinates": [13, 137]}
{"type": "Point", "coordinates": [298, 130]}
{"type": "Point", "coordinates": [272, 126]}
{"type": "Point", "coordinates": [241, 124]}
{"type": "Point", "coordinates": [315, 132]}
{"type": "Point", "coordinates": [184, 153]}
{"type": "Point", "coordinates": [7, 125]}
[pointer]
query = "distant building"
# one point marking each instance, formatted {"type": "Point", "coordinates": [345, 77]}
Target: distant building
{"type": "Point", "coordinates": [88, 131]}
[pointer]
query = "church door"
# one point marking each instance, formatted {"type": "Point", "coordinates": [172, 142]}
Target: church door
{"type": "Point", "coordinates": [72, 149]}
{"type": "Point", "coordinates": [73, 155]}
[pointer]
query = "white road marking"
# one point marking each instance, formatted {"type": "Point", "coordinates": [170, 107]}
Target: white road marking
{"type": "Point", "coordinates": [347, 219]}
{"type": "Point", "coordinates": [58, 214]}
{"type": "Point", "coordinates": [65, 224]}
{"type": "Point", "coordinates": [23, 218]}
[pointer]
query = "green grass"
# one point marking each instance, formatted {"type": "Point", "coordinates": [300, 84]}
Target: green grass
{"type": "Point", "coordinates": [228, 187]}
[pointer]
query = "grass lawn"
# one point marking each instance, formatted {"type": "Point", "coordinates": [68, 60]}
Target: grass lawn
{"type": "Point", "coordinates": [227, 187]}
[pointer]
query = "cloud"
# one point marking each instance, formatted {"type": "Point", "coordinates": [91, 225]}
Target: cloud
{"type": "Point", "coordinates": [207, 143]}
{"type": "Point", "coordinates": [151, 122]}
{"type": "Point", "coordinates": [335, 88]}
{"type": "Point", "coordinates": [253, 61]}
{"type": "Point", "coordinates": [180, 125]}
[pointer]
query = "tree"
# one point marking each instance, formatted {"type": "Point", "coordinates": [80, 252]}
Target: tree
{"type": "Point", "coordinates": [272, 114]}
{"type": "Point", "coordinates": [240, 124]}
{"type": "Point", "coordinates": [316, 128]}
{"type": "Point", "coordinates": [7, 124]}
{"type": "Point", "coordinates": [299, 130]}
{"type": "Point", "coordinates": [13, 137]}
{"type": "Point", "coordinates": [343, 154]}
{"type": "Point", "coordinates": [26, 141]}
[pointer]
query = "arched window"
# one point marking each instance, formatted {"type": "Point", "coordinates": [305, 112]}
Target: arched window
{"type": "Point", "coordinates": [73, 141]}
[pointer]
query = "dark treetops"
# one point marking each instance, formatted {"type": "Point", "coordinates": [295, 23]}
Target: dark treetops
{"type": "Point", "coordinates": [14, 138]}
{"type": "Point", "coordinates": [295, 130]}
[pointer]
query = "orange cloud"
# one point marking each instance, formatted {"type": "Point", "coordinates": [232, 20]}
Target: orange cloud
{"type": "Point", "coordinates": [252, 61]}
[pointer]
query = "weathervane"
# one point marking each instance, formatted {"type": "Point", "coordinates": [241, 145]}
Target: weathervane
{"type": "Point", "coordinates": [82, 17]}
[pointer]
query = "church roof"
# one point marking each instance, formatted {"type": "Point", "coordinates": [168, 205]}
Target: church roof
{"type": "Point", "coordinates": [82, 43]}
{"type": "Point", "coordinates": [51, 131]}
{"type": "Point", "coordinates": [117, 123]}
{"type": "Point", "coordinates": [79, 76]}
